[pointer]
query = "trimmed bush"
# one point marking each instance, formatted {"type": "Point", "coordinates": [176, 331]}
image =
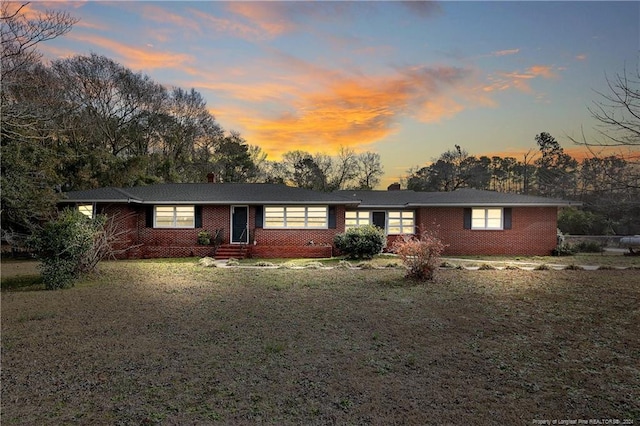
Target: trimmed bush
{"type": "Point", "coordinates": [362, 242]}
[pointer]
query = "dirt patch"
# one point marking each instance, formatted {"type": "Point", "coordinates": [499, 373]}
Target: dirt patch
{"type": "Point", "coordinates": [174, 343]}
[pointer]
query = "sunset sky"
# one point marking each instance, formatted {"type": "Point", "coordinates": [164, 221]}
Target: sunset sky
{"type": "Point", "coordinates": [405, 79]}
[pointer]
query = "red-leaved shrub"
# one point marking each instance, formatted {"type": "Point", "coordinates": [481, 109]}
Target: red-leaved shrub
{"type": "Point", "coordinates": [420, 254]}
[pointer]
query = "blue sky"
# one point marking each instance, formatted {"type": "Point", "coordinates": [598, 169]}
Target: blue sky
{"type": "Point", "coordinates": [408, 80]}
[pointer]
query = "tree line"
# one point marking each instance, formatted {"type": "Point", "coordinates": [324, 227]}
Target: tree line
{"type": "Point", "coordinates": [608, 186]}
{"type": "Point", "coordinates": [87, 121]}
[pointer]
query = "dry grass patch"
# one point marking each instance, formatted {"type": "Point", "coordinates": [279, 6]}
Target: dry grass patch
{"type": "Point", "coordinates": [173, 343]}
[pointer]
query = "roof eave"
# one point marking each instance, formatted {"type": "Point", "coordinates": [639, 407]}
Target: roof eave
{"type": "Point", "coordinates": [494, 204]}
{"type": "Point", "coordinates": [249, 202]}
{"type": "Point", "coordinates": [97, 200]}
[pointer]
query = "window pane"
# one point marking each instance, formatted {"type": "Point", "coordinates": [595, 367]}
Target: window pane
{"type": "Point", "coordinates": [477, 214]}
{"type": "Point", "coordinates": [86, 209]}
{"type": "Point", "coordinates": [394, 230]}
{"type": "Point", "coordinates": [408, 229]}
{"type": "Point", "coordinates": [274, 211]}
{"type": "Point", "coordinates": [477, 223]}
{"type": "Point", "coordinates": [295, 211]}
{"type": "Point", "coordinates": [164, 216]}
{"type": "Point", "coordinates": [351, 215]}
{"type": "Point", "coordinates": [494, 213]}
{"type": "Point", "coordinates": [317, 222]}
{"type": "Point", "coordinates": [295, 222]}
{"type": "Point", "coordinates": [185, 217]}
{"type": "Point", "coordinates": [274, 223]}
{"type": "Point", "coordinates": [395, 215]}
{"type": "Point", "coordinates": [317, 212]}
{"type": "Point", "coordinates": [494, 223]}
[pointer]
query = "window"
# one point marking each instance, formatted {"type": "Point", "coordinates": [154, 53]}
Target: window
{"type": "Point", "coordinates": [400, 222]}
{"type": "Point", "coordinates": [174, 216]}
{"type": "Point", "coordinates": [300, 217]}
{"type": "Point", "coordinates": [86, 209]}
{"type": "Point", "coordinates": [353, 219]}
{"type": "Point", "coordinates": [486, 218]}
{"type": "Point", "coordinates": [393, 222]}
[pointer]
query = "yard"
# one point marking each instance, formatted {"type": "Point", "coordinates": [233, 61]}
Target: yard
{"type": "Point", "coordinates": [170, 342]}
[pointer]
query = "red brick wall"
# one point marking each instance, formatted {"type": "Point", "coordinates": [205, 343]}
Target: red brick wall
{"type": "Point", "coordinates": [533, 232]}
{"type": "Point", "coordinates": [153, 242]}
{"type": "Point", "coordinates": [270, 252]}
{"type": "Point", "coordinates": [294, 242]}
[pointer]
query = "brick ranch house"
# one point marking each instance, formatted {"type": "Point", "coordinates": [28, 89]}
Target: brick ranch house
{"type": "Point", "coordinates": [272, 220]}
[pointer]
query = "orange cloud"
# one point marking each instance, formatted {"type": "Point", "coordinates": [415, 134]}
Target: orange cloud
{"type": "Point", "coordinates": [270, 17]}
{"type": "Point", "coordinates": [343, 110]}
{"type": "Point", "coordinates": [519, 80]}
{"type": "Point", "coordinates": [138, 59]}
{"type": "Point", "coordinates": [158, 14]}
{"type": "Point", "coordinates": [581, 57]}
{"type": "Point", "coordinates": [34, 11]}
{"type": "Point", "coordinates": [544, 71]}
{"type": "Point", "coordinates": [227, 26]}
{"type": "Point", "coordinates": [348, 114]}
{"type": "Point", "coordinates": [433, 111]}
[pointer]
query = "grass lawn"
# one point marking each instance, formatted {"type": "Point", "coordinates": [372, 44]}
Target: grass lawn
{"type": "Point", "coordinates": [157, 342]}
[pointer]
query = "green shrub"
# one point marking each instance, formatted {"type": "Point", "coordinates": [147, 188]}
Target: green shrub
{"type": "Point", "coordinates": [65, 247]}
{"type": "Point", "coordinates": [564, 250]}
{"type": "Point", "coordinates": [204, 238]}
{"type": "Point", "coordinates": [362, 242]}
{"type": "Point", "coordinates": [588, 247]}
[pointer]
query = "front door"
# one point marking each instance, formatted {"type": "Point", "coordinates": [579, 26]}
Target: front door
{"type": "Point", "coordinates": [379, 219]}
{"type": "Point", "coordinates": [239, 221]}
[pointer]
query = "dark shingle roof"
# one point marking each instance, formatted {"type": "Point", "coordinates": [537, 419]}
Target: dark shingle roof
{"type": "Point", "coordinates": [263, 193]}
{"type": "Point", "coordinates": [207, 193]}
{"type": "Point", "coordinates": [461, 198]}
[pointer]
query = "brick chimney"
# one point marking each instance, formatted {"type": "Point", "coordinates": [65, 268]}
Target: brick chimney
{"type": "Point", "coordinates": [211, 177]}
{"type": "Point", "coordinates": [394, 187]}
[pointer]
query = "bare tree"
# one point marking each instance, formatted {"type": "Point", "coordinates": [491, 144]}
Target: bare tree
{"type": "Point", "coordinates": [369, 170]}
{"type": "Point", "coordinates": [618, 112]}
{"type": "Point", "coordinates": [618, 116]}
{"type": "Point", "coordinates": [20, 35]}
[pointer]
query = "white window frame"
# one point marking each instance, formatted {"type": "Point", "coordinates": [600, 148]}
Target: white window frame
{"type": "Point", "coordinates": [482, 220]}
{"type": "Point", "coordinates": [89, 210]}
{"type": "Point", "coordinates": [359, 217]}
{"type": "Point", "coordinates": [406, 220]}
{"type": "Point", "coordinates": [175, 216]}
{"type": "Point", "coordinates": [296, 217]}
